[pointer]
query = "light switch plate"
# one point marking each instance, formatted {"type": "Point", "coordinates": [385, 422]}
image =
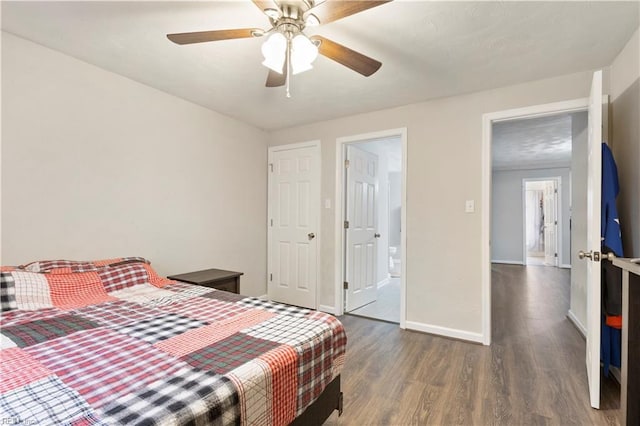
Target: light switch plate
{"type": "Point", "coordinates": [327, 203]}
{"type": "Point", "coordinates": [469, 206]}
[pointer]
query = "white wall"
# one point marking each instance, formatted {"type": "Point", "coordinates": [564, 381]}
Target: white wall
{"type": "Point", "coordinates": [95, 165]}
{"type": "Point", "coordinates": [625, 111]}
{"type": "Point", "coordinates": [444, 170]}
{"type": "Point", "coordinates": [507, 215]}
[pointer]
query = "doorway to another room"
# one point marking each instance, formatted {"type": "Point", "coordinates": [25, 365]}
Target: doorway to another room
{"type": "Point", "coordinates": [588, 129]}
{"type": "Point", "coordinates": [534, 201]}
{"type": "Point", "coordinates": [541, 221]}
{"type": "Point", "coordinates": [372, 214]}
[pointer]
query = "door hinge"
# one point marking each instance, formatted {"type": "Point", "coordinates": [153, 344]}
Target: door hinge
{"type": "Point", "coordinates": [555, 254]}
{"type": "Point", "coordinates": [346, 164]}
{"type": "Point", "coordinates": [346, 224]}
{"type": "Point", "coordinates": [555, 191]}
{"type": "Point", "coordinates": [270, 277]}
{"type": "Point", "coordinates": [271, 221]}
{"type": "Point", "coordinates": [555, 223]}
{"type": "Point", "coordinates": [345, 285]}
{"type": "Point", "coordinates": [271, 167]}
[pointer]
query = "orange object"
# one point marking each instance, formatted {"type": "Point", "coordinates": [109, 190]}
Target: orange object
{"type": "Point", "coordinates": [614, 321]}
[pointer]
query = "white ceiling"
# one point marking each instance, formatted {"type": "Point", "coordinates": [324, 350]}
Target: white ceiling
{"type": "Point", "coordinates": [541, 142]}
{"type": "Point", "coordinates": [428, 50]}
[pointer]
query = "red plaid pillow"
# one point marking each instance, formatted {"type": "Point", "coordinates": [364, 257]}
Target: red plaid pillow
{"type": "Point", "coordinates": [154, 278]}
{"type": "Point", "coordinates": [67, 266]}
{"type": "Point", "coordinates": [30, 291]}
{"type": "Point", "coordinates": [127, 273]}
{"type": "Point", "coordinates": [121, 275]}
{"type": "Point", "coordinates": [115, 274]}
{"type": "Point", "coordinates": [77, 289]}
{"type": "Point", "coordinates": [66, 289]}
{"type": "Point", "coordinates": [72, 283]}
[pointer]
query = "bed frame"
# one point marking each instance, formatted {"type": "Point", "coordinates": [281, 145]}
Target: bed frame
{"type": "Point", "coordinates": [317, 413]}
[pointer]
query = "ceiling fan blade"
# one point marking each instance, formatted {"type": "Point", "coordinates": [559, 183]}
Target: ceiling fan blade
{"type": "Point", "coordinates": [266, 4]}
{"type": "Point", "coordinates": [204, 36]}
{"type": "Point", "coordinates": [332, 10]}
{"type": "Point", "coordinates": [347, 57]}
{"type": "Point", "coordinates": [275, 79]}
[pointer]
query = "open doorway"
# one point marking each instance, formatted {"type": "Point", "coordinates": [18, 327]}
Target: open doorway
{"type": "Point", "coordinates": [587, 296]}
{"type": "Point", "coordinates": [583, 301]}
{"type": "Point", "coordinates": [541, 221]}
{"type": "Point", "coordinates": [370, 222]}
{"type": "Point", "coordinates": [531, 179]}
{"type": "Point", "coordinates": [372, 244]}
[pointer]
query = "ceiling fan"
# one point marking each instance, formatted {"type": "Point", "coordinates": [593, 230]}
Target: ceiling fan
{"type": "Point", "coordinates": [287, 50]}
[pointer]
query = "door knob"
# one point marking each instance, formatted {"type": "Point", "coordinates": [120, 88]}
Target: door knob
{"type": "Point", "coordinates": [582, 255]}
{"type": "Point", "coordinates": [311, 235]}
{"type": "Point", "coordinates": [376, 235]}
{"type": "Point", "coordinates": [608, 256]}
{"type": "Point", "coordinates": [596, 255]}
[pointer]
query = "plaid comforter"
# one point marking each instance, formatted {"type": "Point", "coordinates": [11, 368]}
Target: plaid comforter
{"type": "Point", "coordinates": [169, 353]}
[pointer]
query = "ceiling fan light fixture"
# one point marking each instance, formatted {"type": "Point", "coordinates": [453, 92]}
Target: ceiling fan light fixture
{"type": "Point", "coordinates": [274, 50]}
{"type": "Point", "coordinates": [303, 53]}
{"type": "Point", "coordinates": [300, 68]}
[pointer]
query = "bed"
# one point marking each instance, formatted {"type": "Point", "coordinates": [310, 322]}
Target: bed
{"type": "Point", "coordinates": [111, 342]}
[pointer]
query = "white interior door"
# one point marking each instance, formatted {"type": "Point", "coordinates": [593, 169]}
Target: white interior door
{"type": "Point", "coordinates": [294, 203]}
{"type": "Point", "coordinates": [361, 233]}
{"type": "Point", "coordinates": [594, 188]}
{"type": "Point", "coordinates": [549, 202]}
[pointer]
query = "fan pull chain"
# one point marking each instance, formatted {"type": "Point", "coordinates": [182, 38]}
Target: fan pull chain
{"type": "Point", "coordinates": [288, 65]}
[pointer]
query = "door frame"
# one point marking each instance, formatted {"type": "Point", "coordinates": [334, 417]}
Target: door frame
{"type": "Point", "coordinates": [317, 158]}
{"type": "Point", "coordinates": [558, 180]}
{"type": "Point", "coordinates": [569, 106]}
{"type": "Point", "coordinates": [341, 144]}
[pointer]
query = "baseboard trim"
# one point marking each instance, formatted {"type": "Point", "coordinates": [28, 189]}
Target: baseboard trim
{"type": "Point", "coordinates": [509, 262]}
{"type": "Point", "coordinates": [445, 331]}
{"type": "Point", "coordinates": [263, 297]}
{"type": "Point", "coordinates": [328, 309]}
{"type": "Point", "coordinates": [581, 328]}
{"type": "Point", "coordinates": [384, 282]}
{"type": "Point", "coordinates": [565, 266]}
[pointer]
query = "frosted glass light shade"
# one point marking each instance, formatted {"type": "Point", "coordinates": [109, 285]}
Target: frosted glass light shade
{"type": "Point", "coordinates": [303, 53]}
{"type": "Point", "coordinates": [274, 50]}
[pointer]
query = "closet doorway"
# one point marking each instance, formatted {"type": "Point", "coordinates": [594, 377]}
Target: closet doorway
{"type": "Point", "coordinates": [541, 221]}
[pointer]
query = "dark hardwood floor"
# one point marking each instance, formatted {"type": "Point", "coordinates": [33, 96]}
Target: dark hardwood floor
{"type": "Point", "coordinates": [533, 372]}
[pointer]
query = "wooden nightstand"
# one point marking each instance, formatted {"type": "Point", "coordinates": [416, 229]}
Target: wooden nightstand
{"type": "Point", "coordinates": [214, 278]}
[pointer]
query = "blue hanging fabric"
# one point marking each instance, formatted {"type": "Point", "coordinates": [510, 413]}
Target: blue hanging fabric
{"type": "Point", "coordinates": [610, 338]}
{"type": "Point", "coordinates": [610, 222]}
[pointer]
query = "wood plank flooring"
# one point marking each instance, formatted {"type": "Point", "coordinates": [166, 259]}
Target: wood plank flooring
{"type": "Point", "coordinates": [533, 372]}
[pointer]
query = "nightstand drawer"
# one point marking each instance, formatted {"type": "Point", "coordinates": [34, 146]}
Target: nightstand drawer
{"type": "Point", "coordinates": [212, 278]}
{"type": "Point", "coordinates": [230, 285]}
